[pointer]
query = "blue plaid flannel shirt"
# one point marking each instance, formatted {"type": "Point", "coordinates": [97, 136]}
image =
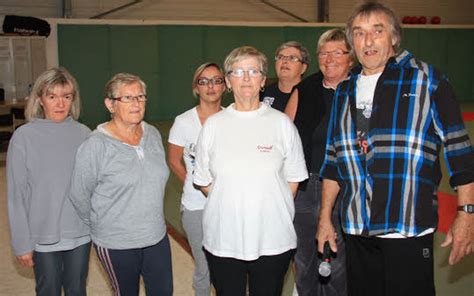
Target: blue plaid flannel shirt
{"type": "Point", "coordinates": [392, 187]}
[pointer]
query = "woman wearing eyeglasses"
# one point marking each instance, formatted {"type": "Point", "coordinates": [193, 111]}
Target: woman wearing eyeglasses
{"type": "Point", "coordinates": [249, 161]}
{"type": "Point", "coordinates": [46, 232]}
{"type": "Point", "coordinates": [291, 61]}
{"type": "Point", "coordinates": [310, 105]}
{"type": "Point", "coordinates": [118, 187]}
{"type": "Point", "coordinates": [209, 85]}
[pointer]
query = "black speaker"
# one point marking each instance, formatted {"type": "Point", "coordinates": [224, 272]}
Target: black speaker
{"type": "Point", "coordinates": [2, 94]}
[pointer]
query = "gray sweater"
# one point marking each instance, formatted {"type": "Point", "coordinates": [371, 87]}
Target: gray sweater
{"type": "Point", "coordinates": [40, 161]}
{"type": "Point", "coordinates": [118, 189]}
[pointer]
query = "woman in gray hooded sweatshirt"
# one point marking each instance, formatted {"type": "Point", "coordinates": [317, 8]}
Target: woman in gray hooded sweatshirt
{"type": "Point", "coordinates": [118, 187]}
{"type": "Point", "coordinates": [46, 232]}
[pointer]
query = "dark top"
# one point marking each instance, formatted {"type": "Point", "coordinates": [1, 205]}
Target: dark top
{"type": "Point", "coordinates": [311, 119]}
{"type": "Point", "coordinates": [319, 138]}
{"type": "Point", "coordinates": [274, 97]}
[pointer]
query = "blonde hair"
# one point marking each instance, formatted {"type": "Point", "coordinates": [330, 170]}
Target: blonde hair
{"type": "Point", "coordinates": [45, 83]}
{"type": "Point", "coordinates": [337, 35]}
{"type": "Point", "coordinates": [244, 52]}
{"type": "Point", "coordinates": [198, 73]}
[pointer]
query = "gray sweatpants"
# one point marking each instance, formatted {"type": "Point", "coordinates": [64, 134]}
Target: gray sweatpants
{"type": "Point", "coordinates": [192, 224]}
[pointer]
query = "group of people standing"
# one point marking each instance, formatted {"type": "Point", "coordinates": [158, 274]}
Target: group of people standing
{"type": "Point", "coordinates": [68, 186]}
{"type": "Point", "coordinates": [347, 156]}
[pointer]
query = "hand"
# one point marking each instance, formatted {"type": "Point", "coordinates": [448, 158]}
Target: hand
{"type": "Point", "coordinates": [326, 232]}
{"type": "Point", "coordinates": [26, 259]}
{"type": "Point", "coordinates": [461, 236]}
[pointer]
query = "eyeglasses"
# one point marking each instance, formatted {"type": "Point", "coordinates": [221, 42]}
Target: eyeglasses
{"type": "Point", "coordinates": [335, 54]}
{"type": "Point", "coordinates": [241, 72]}
{"type": "Point", "coordinates": [129, 99]}
{"type": "Point", "coordinates": [290, 58]}
{"type": "Point", "coordinates": [213, 81]}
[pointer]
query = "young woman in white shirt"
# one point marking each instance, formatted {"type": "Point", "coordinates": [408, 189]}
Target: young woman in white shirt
{"type": "Point", "coordinates": [208, 85]}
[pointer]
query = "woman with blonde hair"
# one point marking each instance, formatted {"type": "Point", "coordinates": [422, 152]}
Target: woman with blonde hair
{"type": "Point", "coordinates": [209, 85]}
{"type": "Point", "coordinates": [46, 232]}
{"type": "Point", "coordinates": [310, 105]}
{"type": "Point", "coordinates": [249, 160]}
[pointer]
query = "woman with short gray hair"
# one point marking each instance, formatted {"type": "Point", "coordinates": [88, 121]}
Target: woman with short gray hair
{"type": "Point", "coordinates": [118, 187]}
{"type": "Point", "coordinates": [291, 62]}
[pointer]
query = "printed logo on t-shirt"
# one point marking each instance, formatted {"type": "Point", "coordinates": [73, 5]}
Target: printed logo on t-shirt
{"type": "Point", "coordinates": [362, 129]}
{"type": "Point", "coordinates": [409, 95]}
{"type": "Point", "coordinates": [366, 109]}
{"type": "Point", "coordinates": [268, 101]}
{"type": "Point", "coordinates": [191, 149]}
{"type": "Point", "coordinates": [265, 148]}
{"type": "Point", "coordinates": [426, 253]}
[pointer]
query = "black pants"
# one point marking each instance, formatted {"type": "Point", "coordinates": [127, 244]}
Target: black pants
{"type": "Point", "coordinates": [265, 275]}
{"type": "Point", "coordinates": [62, 269]}
{"type": "Point", "coordinates": [124, 268]}
{"type": "Point", "coordinates": [390, 267]}
{"type": "Point", "coordinates": [308, 280]}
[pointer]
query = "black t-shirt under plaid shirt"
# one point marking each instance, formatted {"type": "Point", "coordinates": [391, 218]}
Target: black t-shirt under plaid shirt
{"type": "Point", "coordinates": [392, 187]}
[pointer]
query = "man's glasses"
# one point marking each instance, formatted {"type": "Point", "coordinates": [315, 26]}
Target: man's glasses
{"type": "Point", "coordinates": [213, 81]}
{"type": "Point", "coordinates": [335, 54]}
{"type": "Point", "coordinates": [290, 58]}
{"type": "Point", "coordinates": [129, 99]}
{"type": "Point", "coordinates": [241, 72]}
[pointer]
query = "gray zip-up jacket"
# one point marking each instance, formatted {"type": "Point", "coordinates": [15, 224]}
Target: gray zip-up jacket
{"type": "Point", "coordinates": [118, 189]}
{"type": "Point", "coordinates": [40, 161]}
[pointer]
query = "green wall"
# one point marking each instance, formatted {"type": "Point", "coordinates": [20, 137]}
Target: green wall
{"type": "Point", "coordinates": [165, 56]}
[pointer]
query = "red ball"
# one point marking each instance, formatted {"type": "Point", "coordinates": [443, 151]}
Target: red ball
{"type": "Point", "coordinates": [413, 20]}
{"type": "Point", "coordinates": [435, 20]}
{"type": "Point", "coordinates": [406, 19]}
{"type": "Point", "coordinates": [422, 20]}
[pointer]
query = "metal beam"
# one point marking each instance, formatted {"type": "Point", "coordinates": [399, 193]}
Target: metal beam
{"type": "Point", "coordinates": [66, 8]}
{"type": "Point", "coordinates": [116, 9]}
{"type": "Point", "coordinates": [284, 11]}
{"type": "Point", "coordinates": [323, 11]}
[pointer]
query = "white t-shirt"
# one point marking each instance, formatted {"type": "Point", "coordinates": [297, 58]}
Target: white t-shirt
{"type": "Point", "coordinates": [249, 158]}
{"type": "Point", "coordinates": [365, 92]}
{"type": "Point", "coordinates": [184, 133]}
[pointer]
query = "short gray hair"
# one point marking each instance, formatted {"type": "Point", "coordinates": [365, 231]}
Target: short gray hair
{"type": "Point", "coordinates": [244, 52]}
{"type": "Point", "coordinates": [369, 8]}
{"type": "Point", "coordinates": [120, 80]}
{"type": "Point", "coordinates": [45, 83]}
{"type": "Point", "coordinates": [305, 58]}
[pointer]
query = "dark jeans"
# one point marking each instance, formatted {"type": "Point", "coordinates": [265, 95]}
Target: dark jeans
{"type": "Point", "coordinates": [390, 267]}
{"type": "Point", "coordinates": [265, 275]}
{"type": "Point", "coordinates": [124, 268]}
{"type": "Point", "coordinates": [66, 269]}
{"type": "Point", "coordinates": [308, 281]}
